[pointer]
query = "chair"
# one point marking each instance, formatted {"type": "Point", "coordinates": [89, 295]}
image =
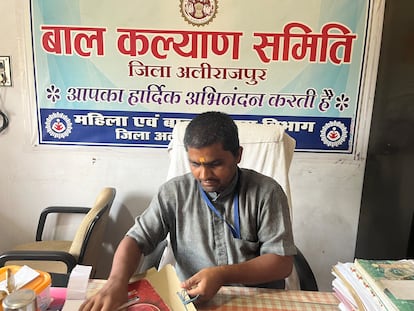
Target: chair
{"type": "Point", "coordinates": [61, 257]}
{"type": "Point", "coordinates": [266, 149]}
{"type": "Point", "coordinates": [305, 274]}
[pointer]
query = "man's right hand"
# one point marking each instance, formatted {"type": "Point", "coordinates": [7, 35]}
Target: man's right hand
{"type": "Point", "coordinates": [115, 291]}
{"type": "Point", "coordinates": [109, 298]}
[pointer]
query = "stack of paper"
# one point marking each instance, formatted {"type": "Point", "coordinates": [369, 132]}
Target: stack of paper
{"type": "Point", "coordinates": [352, 291]}
{"type": "Point", "coordinates": [375, 285]}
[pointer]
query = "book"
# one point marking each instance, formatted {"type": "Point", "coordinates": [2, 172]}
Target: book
{"type": "Point", "coordinates": [352, 291]}
{"type": "Point", "coordinates": [148, 297]}
{"type": "Point", "coordinates": [391, 280]}
{"type": "Point", "coordinates": [167, 284]}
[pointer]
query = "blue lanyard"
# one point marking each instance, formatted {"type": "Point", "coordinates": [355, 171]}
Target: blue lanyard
{"type": "Point", "coordinates": [235, 230]}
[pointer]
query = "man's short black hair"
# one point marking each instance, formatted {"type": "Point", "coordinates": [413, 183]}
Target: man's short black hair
{"type": "Point", "coordinates": [212, 127]}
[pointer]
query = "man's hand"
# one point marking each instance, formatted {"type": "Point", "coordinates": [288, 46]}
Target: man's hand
{"type": "Point", "coordinates": [109, 298]}
{"type": "Point", "coordinates": [115, 291]}
{"type": "Point", "coordinates": [261, 269]}
{"type": "Point", "coordinates": [205, 283]}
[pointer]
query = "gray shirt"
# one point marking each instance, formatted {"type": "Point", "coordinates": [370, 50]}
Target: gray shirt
{"type": "Point", "coordinates": [201, 239]}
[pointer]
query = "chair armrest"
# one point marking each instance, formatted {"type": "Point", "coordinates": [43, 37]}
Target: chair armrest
{"type": "Point", "coordinates": [304, 271]}
{"type": "Point", "coordinates": [64, 257]}
{"type": "Point", "coordinates": [57, 210]}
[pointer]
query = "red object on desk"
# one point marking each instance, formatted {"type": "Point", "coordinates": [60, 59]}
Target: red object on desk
{"type": "Point", "coordinates": [149, 299]}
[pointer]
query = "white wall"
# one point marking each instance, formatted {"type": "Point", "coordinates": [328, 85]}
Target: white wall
{"type": "Point", "coordinates": [326, 190]}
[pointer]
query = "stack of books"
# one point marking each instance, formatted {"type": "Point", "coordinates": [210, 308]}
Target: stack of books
{"type": "Point", "coordinates": [374, 285]}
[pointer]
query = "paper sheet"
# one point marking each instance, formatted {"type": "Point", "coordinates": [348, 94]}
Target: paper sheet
{"type": "Point", "coordinates": [77, 287]}
{"type": "Point", "coordinates": [23, 276]}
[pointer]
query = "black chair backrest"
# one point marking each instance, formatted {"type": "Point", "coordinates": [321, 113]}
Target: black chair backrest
{"type": "Point", "coordinates": [306, 277]}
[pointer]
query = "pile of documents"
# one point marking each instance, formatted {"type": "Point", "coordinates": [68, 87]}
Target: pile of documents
{"type": "Point", "coordinates": [374, 285]}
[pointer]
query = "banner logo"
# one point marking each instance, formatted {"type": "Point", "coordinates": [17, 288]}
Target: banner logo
{"type": "Point", "coordinates": [198, 12]}
{"type": "Point", "coordinates": [58, 125]}
{"type": "Point", "coordinates": [334, 134]}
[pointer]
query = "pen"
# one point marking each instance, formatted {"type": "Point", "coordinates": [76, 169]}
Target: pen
{"type": "Point", "coordinates": [129, 303]}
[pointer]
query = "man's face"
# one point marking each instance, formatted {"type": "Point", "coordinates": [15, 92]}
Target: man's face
{"type": "Point", "coordinates": [213, 167]}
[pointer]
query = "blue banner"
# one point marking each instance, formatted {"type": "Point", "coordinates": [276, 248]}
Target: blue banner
{"type": "Point", "coordinates": [123, 77]}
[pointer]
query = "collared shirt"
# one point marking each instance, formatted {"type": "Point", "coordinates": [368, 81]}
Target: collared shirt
{"type": "Point", "coordinates": [200, 239]}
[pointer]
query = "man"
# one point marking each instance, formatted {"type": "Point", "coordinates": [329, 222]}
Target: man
{"type": "Point", "coordinates": [227, 225]}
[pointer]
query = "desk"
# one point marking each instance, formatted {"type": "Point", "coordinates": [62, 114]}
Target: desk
{"type": "Point", "coordinates": [232, 298]}
{"type": "Point", "coordinates": [255, 299]}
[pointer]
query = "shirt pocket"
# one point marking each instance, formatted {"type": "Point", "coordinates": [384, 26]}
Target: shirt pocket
{"type": "Point", "coordinates": [247, 248]}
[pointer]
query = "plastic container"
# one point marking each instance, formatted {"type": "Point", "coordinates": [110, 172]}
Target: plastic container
{"type": "Point", "coordinates": [40, 285]}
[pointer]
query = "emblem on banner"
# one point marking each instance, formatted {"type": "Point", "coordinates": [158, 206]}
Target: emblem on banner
{"type": "Point", "coordinates": [334, 133]}
{"type": "Point", "coordinates": [58, 125]}
{"type": "Point", "coordinates": [198, 12]}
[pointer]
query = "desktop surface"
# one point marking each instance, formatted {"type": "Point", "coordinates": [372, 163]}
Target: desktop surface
{"type": "Point", "coordinates": [254, 299]}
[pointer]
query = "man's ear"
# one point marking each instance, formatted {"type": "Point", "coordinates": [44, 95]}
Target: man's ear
{"type": "Point", "coordinates": [239, 154]}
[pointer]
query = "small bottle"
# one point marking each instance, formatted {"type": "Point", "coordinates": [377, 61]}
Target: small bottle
{"type": "Point", "coordinates": [20, 300]}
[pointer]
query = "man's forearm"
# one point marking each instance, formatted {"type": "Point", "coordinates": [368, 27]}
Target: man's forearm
{"type": "Point", "coordinates": [126, 260]}
{"type": "Point", "coordinates": [262, 269]}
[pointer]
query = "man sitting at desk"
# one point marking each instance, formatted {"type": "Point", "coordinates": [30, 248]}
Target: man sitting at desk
{"type": "Point", "coordinates": [227, 225]}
